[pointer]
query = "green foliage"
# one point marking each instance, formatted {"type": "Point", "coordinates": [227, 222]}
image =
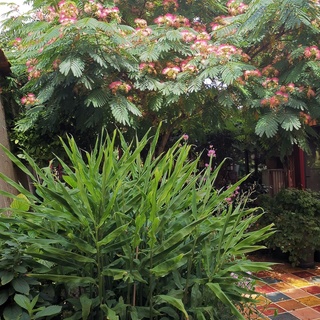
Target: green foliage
{"type": "Point", "coordinates": [127, 237]}
{"type": "Point", "coordinates": [22, 297]}
{"type": "Point", "coordinates": [269, 123]}
{"type": "Point", "coordinates": [295, 214]}
{"type": "Point", "coordinates": [75, 63]}
{"type": "Point", "coordinates": [20, 203]}
{"type": "Point", "coordinates": [78, 84]}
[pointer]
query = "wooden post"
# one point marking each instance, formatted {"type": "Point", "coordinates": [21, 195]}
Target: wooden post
{"type": "Point", "coordinates": [6, 166]}
{"type": "Point", "coordinates": [299, 167]}
{"type": "Point", "coordinates": [302, 169]}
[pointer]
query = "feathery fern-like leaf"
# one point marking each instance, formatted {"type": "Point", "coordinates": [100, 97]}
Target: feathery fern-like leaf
{"type": "Point", "coordinates": [267, 125]}
{"type": "Point", "coordinates": [231, 71]}
{"type": "Point", "coordinates": [97, 98]}
{"type": "Point", "coordinates": [289, 121]}
{"type": "Point", "coordinates": [156, 102]}
{"type": "Point", "coordinates": [30, 118]}
{"type": "Point", "coordinates": [173, 35]}
{"type": "Point", "coordinates": [297, 104]}
{"type": "Point", "coordinates": [119, 111]}
{"type": "Point", "coordinates": [73, 64]}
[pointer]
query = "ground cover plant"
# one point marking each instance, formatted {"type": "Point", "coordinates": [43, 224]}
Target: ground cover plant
{"type": "Point", "coordinates": [126, 237]}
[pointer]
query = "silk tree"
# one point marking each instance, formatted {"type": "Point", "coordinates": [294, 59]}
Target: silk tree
{"type": "Point", "coordinates": [85, 65]}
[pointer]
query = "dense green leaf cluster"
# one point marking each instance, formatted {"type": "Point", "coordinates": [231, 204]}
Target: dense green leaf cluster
{"type": "Point", "coordinates": [134, 239]}
{"type": "Point", "coordinates": [295, 214]}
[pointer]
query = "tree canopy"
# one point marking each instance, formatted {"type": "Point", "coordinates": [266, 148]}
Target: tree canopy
{"type": "Point", "coordinates": [197, 66]}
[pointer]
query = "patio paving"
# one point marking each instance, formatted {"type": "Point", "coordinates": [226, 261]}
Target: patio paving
{"type": "Point", "coordinates": [288, 293]}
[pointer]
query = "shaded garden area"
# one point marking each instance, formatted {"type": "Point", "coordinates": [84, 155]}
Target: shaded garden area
{"type": "Point", "coordinates": [135, 139]}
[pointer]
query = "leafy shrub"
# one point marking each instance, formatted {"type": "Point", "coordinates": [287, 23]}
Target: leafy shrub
{"type": "Point", "coordinates": [295, 214]}
{"type": "Point", "coordinates": [19, 294]}
{"type": "Point", "coordinates": [130, 238]}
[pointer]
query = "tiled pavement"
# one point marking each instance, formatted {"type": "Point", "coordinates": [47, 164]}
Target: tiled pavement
{"type": "Point", "coordinates": [289, 293]}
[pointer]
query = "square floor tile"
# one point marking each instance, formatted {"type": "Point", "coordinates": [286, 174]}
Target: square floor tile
{"type": "Point", "coordinates": [264, 289]}
{"type": "Point", "coordinates": [303, 274]}
{"type": "Point", "coordinates": [277, 296]}
{"type": "Point", "coordinates": [287, 277]}
{"type": "Point", "coordinates": [306, 313]}
{"type": "Point", "coordinates": [290, 305]}
{"type": "Point", "coordinates": [282, 286]}
{"type": "Point", "coordinates": [310, 301]}
{"type": "Point", "coordinates": [262, 274]}
{"type": "Point", "coordinates": [317, 308]}
{"type": "Point", "coordinates": [262, 301]}
{"type": "Point", "coordinates": [312, 289]}
{"type": "Point", "coordinates": [284, 316]}
{"type": "Point", "coordinates": [291, 293]}
{"type": "Point", "coordinates": [296, 293]}
{"type": "Point", "coordinates": [270, 280]}
{"type": "Point", "coordinates": [299, 283]}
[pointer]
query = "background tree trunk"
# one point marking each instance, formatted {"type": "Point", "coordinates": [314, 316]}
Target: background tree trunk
{"type": "Point", "coordinates": [163, 141]}
{"type": "Point", "coordinates": [6, 166]}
